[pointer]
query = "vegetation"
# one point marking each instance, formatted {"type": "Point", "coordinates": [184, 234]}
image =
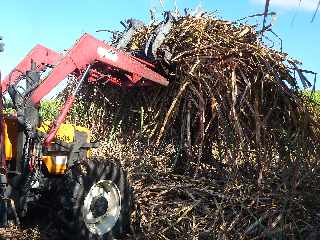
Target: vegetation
{"type": "Point", "coordinates": [315, 96]}
{"type": "Point", "coordinates": [229, 150]}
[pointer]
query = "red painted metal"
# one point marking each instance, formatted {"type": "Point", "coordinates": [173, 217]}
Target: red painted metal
{"type": "Point", "coordinates": [66, 108]}
{"type": "Point", "coordinates": [89, 50]}
{"type": "Point", "coordinates": [41, 55]}
{"type": "Point", "coordinates": [63, 113]}
{"type": "Point", "coordinates": [108, 64]}
{"type": "Point", "coordinates": [144, 62]}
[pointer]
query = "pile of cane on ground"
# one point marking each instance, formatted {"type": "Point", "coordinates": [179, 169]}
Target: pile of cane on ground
{"type": "Point", "coordinates": [229, 150]}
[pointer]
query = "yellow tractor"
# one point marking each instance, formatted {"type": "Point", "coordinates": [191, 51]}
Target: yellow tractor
{"type": "Point", "coordinates": [90, 197]}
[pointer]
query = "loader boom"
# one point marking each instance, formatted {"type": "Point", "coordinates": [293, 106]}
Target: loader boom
{"type": "Point", "coordinates": [107, 64]}
{"type": "Point", "coordinates": [39, 54]}
{"type": "Point", "coordinates": [89, 50]}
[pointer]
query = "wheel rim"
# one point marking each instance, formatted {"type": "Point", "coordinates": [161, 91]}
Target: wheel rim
{"type": "Point", "coordinates": [101, 208]}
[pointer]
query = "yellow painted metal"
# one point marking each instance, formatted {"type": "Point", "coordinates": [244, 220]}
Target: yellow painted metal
{"type": "Point", "coordinates": [57, 163]}
{"type": "Point", "coordinates": [10, 137]}
{"type": "Point", "coordinates": [53, 166]}
{"type": "Point", "coordinates": [65, 133]}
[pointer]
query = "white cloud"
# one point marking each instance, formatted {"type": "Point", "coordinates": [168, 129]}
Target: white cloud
{"type": "Point", "coordinates": [306, 5]}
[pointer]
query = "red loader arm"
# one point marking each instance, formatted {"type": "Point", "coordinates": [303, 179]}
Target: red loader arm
{"type": "Point", "coordinates": [39, 54]}
{"type": "Point", "coordinates": [89, 50]}
{"type": "Point", "coordinates": [90, 59]}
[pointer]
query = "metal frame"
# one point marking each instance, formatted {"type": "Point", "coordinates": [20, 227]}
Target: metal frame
{"type": "Point", "coordinates": [89, 59]}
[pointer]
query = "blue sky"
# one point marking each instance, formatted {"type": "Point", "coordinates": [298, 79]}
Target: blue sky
{"type": "Point", "coordinates": [57, 24]}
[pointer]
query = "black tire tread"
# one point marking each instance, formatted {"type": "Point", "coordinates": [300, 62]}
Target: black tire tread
{"type": "Point", "coordinates": [74, 187]}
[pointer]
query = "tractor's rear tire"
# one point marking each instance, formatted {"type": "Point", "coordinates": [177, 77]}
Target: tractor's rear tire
{"type": "Point", "coordinates": [95, 201]}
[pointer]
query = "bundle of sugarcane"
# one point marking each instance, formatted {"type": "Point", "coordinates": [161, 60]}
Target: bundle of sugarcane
{"type": "Point", "coordinates": [230, 96]}
{"type": "Point", "coordinates": [216, 204]}
{"type": "Point", "coordinates": [233, 123]}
